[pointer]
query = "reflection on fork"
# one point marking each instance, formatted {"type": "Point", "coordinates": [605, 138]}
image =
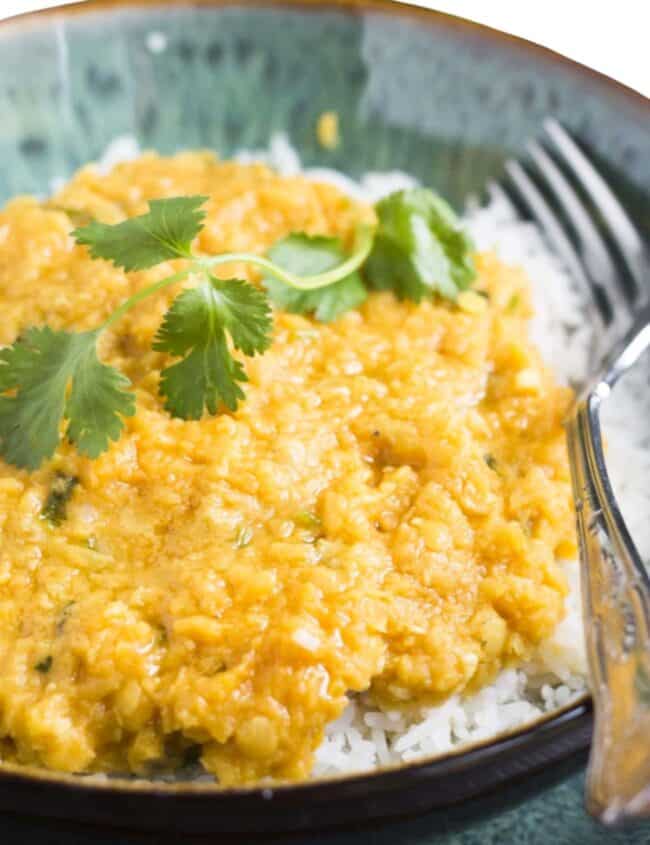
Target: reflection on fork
{"type": "Point", "coordinates": [587, 226]}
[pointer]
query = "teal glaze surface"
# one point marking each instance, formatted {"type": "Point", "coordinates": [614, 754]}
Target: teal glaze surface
{"type": "Point", "coordinates": [443, 102]}
{"type": "Point", "coordinates": [448, 104]}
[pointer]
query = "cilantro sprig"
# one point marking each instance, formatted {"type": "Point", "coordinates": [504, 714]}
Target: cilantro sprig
{"type": "Point", "coordinates": [56, 376]}
{"type": "Point", "coordinates": [53, 384]}
{"type": "Point", "coordinates": [420, 247]}
{"type": "Point", "coordinates": [419, 250]}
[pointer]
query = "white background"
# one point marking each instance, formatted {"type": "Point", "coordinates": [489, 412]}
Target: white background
{"type": "Point", "coordinates": [613, 37]}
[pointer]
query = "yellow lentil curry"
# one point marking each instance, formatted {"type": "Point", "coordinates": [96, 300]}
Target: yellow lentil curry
{"type": "Point", "coordinates": [384, 512]}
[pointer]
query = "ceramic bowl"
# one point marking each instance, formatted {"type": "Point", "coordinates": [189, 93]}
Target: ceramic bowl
{"type": "Point", "coordinates": [414, 90]}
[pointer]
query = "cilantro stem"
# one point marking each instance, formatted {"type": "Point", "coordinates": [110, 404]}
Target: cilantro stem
{"type": "Point", "coordinates": [362, 245]}
{"type": "Point", "coordinates": [143, 294]}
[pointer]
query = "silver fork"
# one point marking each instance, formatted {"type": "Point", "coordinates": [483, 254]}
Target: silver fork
{"type": "Point", "coordinates": [615, 584]}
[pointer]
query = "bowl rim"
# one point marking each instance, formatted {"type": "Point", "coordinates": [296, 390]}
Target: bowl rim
{"type": "Point", "coordinates": [466, 755]}
{"type": "Point", "coordinates": [390, 8]}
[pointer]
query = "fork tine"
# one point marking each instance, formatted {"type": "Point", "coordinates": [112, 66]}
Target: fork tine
{"type": "Point", "coordinates": [496, 192]}
{"type": "Point", "coordinates": [625, 235]}
{"type": "Point", "coordinates": [556, 235]}
{"type": "Point", "coordinates": [595, 256]}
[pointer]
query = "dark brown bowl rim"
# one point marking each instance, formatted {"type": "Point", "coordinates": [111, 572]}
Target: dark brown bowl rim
{"type": "Point", "coordinates": [470, 754]}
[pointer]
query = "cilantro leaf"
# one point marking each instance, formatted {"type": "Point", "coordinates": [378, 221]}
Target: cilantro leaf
{"type": "Point", "coordinates": [29, 421]}
{"type": "Point", "coordinates": [51, 376]}
{"type": "Point", "coordinates": [165, 232]}
{"type": "Point", "coordinates": [245, 312]}
{"type": "Point", "coordinates": [97, 402]}
{"type": "Point", "coordinates": [420, 247]}
{"type": "Point", "coordinates": [197, 325]}
{"type": "Point", "coordinates": [306, 255]}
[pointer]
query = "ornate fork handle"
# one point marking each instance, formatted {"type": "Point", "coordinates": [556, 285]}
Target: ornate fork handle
{"type": "Point", "coordinates": [616, 600]}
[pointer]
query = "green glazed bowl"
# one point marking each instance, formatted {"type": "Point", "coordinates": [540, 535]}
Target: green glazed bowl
{"type": "Point", "coordinates": [445, 100]}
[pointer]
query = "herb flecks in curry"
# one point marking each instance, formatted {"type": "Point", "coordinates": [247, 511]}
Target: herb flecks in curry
{"type": "Point", "coordinates": [61, 490]}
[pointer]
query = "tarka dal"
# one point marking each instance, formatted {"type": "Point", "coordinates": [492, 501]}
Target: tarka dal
{"type": "Point", "coordinates": [384, 511]}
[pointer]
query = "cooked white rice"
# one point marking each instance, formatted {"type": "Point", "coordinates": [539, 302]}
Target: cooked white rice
{"type": "Point", "coordinates": [365, 736]}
